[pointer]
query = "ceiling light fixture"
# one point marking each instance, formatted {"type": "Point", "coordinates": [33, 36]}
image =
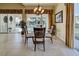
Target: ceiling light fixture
{"type": "Point", "coordinates": [38, 10]}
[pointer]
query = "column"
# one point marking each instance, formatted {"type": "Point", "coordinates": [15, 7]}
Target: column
{"type": "Point", "coordinates": [69, 25]}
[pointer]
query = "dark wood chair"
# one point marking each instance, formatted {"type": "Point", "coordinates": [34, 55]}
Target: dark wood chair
{"type": "Point", "coordinates": [53, 30]}
{"type": "Point", "coordinates": [39, 37]}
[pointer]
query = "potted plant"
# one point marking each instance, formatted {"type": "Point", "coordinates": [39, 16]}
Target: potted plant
{"type": "Point", "coordinates": [22, 24]}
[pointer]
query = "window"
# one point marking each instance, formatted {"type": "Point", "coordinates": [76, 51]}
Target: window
{"type": "Point", "coordinates": [33, 20]}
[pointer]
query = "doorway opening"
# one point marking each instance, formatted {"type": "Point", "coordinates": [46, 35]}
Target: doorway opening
{"type": "Point", "coordinates": [76, 26]}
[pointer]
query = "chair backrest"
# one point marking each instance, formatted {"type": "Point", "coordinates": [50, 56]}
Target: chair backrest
{"type": "Point", "coordinates": [39, 32]}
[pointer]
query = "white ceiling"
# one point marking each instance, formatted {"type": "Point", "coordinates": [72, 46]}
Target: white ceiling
{"type": "Point", "coordinates": [44, 5]}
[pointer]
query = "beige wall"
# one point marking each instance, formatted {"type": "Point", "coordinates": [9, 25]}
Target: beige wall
{"type": "Point", "coordinates": [11, 6]}
{"type": "Point", "coordinates": [61, 27]}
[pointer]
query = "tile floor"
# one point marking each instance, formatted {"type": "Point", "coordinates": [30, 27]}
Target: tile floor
{"type": "Point", "coordinates": [13, 45]}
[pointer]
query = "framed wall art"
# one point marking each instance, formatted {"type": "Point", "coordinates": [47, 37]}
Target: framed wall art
{"type": "Point", "coordinates": [59, 17]}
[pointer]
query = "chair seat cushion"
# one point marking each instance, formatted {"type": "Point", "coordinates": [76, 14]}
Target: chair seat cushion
{"type": "Point", "coordinates": [38, 39]}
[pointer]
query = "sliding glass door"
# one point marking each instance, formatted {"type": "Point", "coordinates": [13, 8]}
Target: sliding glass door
{"type": "Point", "coordinates": [14, 23]}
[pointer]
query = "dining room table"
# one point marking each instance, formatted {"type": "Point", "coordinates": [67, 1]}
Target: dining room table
{"type": "Point", "coordinates": [31, 35]}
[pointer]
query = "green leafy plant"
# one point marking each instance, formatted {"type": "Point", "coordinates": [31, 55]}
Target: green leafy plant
{"type": "Point", "coordinates": [22, 23]}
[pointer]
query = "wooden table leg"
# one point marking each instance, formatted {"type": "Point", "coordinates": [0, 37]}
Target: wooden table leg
{"type": "Point", "coordinates": [51, 39]}
{"type": "Point", "coordinates": [26, 40]}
